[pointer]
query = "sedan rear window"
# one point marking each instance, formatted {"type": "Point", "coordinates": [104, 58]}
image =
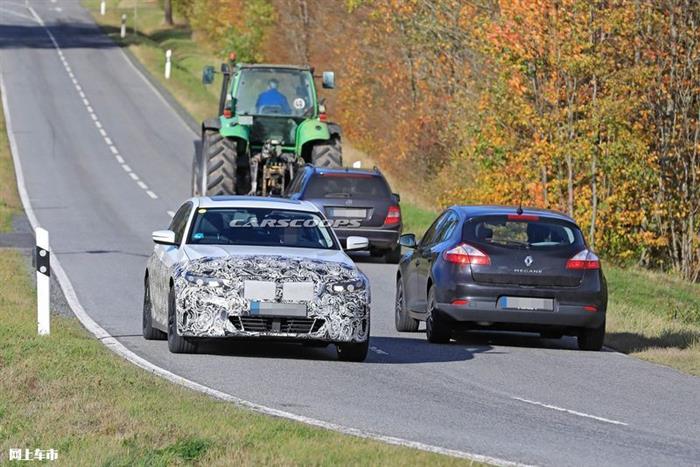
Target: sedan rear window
{"type": "Point", "coordinates": [520, 232]}
{"type": "Point", "coordinates": [340, 185]}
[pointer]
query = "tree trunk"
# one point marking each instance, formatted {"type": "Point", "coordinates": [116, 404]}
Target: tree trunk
{"type": "Point", "coordinates": [168, 11]}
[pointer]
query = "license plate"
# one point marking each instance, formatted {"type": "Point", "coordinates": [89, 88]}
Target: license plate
{"type": "Point", "coordinates": [298, 291]}
{"type": "Point", "coordinates": [259, 290]}
{"type": "Point", "coordinates": [277, 309]}
{"type": "Point", "coordinates": [526, 303]}
{"type": "Point", "coordinates": [348, 213]}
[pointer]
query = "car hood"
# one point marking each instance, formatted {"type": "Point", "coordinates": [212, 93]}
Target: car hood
{"type": "Point", "coordinates": [211, 252]}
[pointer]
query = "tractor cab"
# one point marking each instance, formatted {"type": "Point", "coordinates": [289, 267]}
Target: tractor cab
{"type": "Point", "coordinates": [265, 110]}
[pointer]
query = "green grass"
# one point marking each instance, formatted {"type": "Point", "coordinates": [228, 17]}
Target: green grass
{"type": "Point", "coordinates": [68, 392]}
{"type": "Point", "coordinates": [9, 199]}
{"type": "Point", "coordinates": [415, 219]}
{"type": "Point", "coordinates": [655, 317]}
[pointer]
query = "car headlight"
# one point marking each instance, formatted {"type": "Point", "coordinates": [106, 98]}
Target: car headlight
{"type": "Point", "coordinates": [205, 281]}
{"type": "Point", "coordinates": [347, 286]}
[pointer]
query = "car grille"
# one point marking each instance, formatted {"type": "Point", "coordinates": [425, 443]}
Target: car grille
{"type": "Point", "coordinates": [276, 325]}
{"type": "Point", "coordinates": [519, 279]}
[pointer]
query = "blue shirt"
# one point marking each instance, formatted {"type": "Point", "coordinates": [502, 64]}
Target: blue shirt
{"type": "Point", "coordinates": [273, 97]}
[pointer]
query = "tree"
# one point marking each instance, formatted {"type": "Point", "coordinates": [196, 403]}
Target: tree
{"type": "Point", "coordinates": [168, 12]}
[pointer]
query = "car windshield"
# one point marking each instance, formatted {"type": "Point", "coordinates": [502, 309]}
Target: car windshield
{"type": "Point", "coordinates": [260, 227]}
{"type": "Point", "coordinates": [522, 232]}
{"type": "Point", "coordinates": [341, 185]}
{"type": "Point", "coordinates": [274, 92]}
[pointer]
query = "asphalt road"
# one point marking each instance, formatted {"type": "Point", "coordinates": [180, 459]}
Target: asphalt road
{"type": "Point", "coordinates": [514, 397]}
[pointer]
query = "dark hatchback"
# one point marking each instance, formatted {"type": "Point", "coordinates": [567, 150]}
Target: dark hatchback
{"type": "Point", "coordinates": [501, 268]}
{"type": "Point", "coordinates": [361, 199]}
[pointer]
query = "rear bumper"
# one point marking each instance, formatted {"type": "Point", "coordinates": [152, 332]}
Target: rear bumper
{"type": "Point", "coordinates": [487, 313]}
{"type": "Point", "coordinates": [379, 237]}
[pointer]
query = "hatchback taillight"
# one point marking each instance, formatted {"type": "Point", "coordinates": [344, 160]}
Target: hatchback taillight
{"type": "Point", "coordinates": [584, 260]}
{"type": "Point", "coordinates": [393, 216]}
{"type": "Point", "coordinates": [466, 254]}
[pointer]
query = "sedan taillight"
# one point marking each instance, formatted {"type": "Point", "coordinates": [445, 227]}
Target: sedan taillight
{"type": "Point", "coordinates": [584, 260]}
{"type": "Point", "coordinates": [466, 254]}
{"type": "Point", "coordinates": [393, 216]}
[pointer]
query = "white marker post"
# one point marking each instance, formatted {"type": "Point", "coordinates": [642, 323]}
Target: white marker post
{"type": "Point", "coordinates": [103, 7]}
{"type": "Point", "coordinates": [43, 281]}
{"type": "Point", "coordinates": [168, 64]}
{"type": "Point", "coordinates": [123, 31]}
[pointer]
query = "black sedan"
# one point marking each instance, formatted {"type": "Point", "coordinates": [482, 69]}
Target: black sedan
{"type": "Point", "coordinates": [358, 201]}
{"type": "Point", "coordinates": [502, 268]}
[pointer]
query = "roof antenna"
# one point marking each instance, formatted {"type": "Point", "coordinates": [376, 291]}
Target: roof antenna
{"type": "Point", "coordinates": [520, 201]}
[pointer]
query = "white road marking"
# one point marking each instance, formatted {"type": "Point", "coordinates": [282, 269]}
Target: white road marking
{"type": "Point", "coordinates": [19, 15]}
{"type": "Point", "coordinates": [126, 168]}
{"type": "Point", "coordinates": [171, 213]}
{"type": "Point", "coordinates": [572, 412]}
{"type": "Point", "coordinates": [378, 350]}
{"type": "Point", "coordinates": [142, 185]}
{"type": "Point", "coordinates": [86, 102]}
{"type": "Point", "coordinates": [118, 348]}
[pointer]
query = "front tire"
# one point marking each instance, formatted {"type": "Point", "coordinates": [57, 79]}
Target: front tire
{"type": "Point", "coordinates": [591, 338]}
{"type": "Point", "coordinates": [352, 351]}
{"type": "Point", "coordinates": [436, 330]}
{"type": "Point", "coordinates": [149, 332]}
{"type": "Point", "coordinates": [402, 320]}
{"type": "Point", "coordinates": [176, 342]}
{"type": "Point", "coordinates": [220, 155]}
{"type": "Point", "coordinates": [328, 154]}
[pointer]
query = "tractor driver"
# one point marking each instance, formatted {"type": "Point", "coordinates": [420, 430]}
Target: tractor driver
{"type": "Point", "coordinates": [273, 99]}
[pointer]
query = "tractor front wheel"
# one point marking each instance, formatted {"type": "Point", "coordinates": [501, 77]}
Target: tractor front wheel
{"type": "Point", "coordinates": [219, 154]}
{"type": "Point", "coordinates": [328, 154]}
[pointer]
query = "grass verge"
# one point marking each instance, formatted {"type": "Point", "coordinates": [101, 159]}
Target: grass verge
{"type": "Point", "coordinates": [9, 198]}
{"type": "Point", "coordinates": [651, 315]}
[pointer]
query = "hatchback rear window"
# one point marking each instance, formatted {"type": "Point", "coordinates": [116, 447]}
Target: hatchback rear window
{"type": "Point", "coordinates": [335, 185]}
{"type": "Point", "coordinates": [522, 232]}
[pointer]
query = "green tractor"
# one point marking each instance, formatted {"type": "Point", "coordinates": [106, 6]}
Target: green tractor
{"type": "Point", "coordinates": [270, 123]}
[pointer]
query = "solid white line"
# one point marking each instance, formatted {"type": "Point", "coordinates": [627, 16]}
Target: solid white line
{"type": "Point", "coordinates": [118, 348]}
{"type": "Point", "coordinates": [151, 194]}
{"type": "Point", "coordinates": [572, 412]}
{"type": "Point", "coordinates": [19, 15]}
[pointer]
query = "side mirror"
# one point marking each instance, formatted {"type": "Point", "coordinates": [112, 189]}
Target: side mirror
{"type": "Point", "coordinates": [328, 80]}
{"type": "Point", "coordinates": [356, 243]}
{"type": "Point", "coordinates": [408, 240]}
{"type": "Point", "coordinates": [397, 196]}
{"type": "Point", "coordinates": [208, 74]}
{"type": "Point", "coordinates": [164, 237]}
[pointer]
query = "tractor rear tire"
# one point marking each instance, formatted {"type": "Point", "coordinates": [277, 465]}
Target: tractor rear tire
{"type": "Point", "coordinates": [328, 154]}
{"type": "Point", "coordinates": [220, 156]}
